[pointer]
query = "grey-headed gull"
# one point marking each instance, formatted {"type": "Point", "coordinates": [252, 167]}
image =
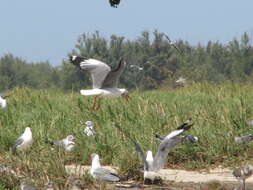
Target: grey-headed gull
{"type": "Point", "coordinates": [242, 174]}
{"type": "Point", "coordinates": [153, 165]}
{"type": "Point", "coordinates": [89, 129]}
{"type": "Point", "coordinates": [100, 173]}
{"type": "Point", "coordinates": [105, 80]}
{"type": "Point", "coordinates": [67, 143]}
{"type": "Point", "coordinates": [24, 141]}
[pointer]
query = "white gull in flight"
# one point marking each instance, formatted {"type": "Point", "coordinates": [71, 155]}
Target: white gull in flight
{"type": "Point", "coordinates": [105, 80]}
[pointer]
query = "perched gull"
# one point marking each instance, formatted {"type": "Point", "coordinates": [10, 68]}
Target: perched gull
{"type": "Point", "coordinates": [243, 138]}
{"type": "Point", "coordinates": [181, 81]}
{"type": "Point", "coordinates": [114, 3]}
{"type": "Point", "coordinates": [49, 186]}
{"type": "Point", "coordinates": [89, 130]}
{"type": "Point", "coordinates": [75, 184]}
{"type": "Point", "coordinates": [137, 67]}
{"type": "Point", "coordinates": [24, 141]}
{"type": "Point", "coordinates": [101, 173]}
{"type": "Point", "coordinates": [67, 143]}
{"type": "Point", "coordinates": [104, 79]}
{"type": "Point", "coordinates": [173, 44]}
{"type": "Point", "coordinates": [24, 186]}
{"type": "Point", "coordinates": [3, 101]}
{"type": "Point", "coordinates": [250, 123]}
{"type": "Point", "coordinates": [242, 174]}
{"type": "Point", "coordinates": [153, 165]}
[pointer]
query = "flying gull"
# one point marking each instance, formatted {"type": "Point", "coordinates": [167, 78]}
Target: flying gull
{"type": "Point", "coordinates": [114, 3]}
{"type": "Point", "coordinates": [104, 79]}
{"type": "Point", "coordinates": [173, 44]}
{"type": "Point", "coordinates": [24, 141]}
{"type": "Point", "coordinates": [242, 174]}
{"type": "Point", "coordinates": [67, 143]}
{"type": "Point", "coordinates": [153, 165]}
{"type": "Point", "coordinates": [89, 130]}
{"type": "Point", "coordinates": [101, 173]}
{"type": "Point", "coordinates": [3, 101]}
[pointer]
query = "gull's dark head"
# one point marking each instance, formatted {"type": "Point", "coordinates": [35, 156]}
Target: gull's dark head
{"type": "Point", "coordinates": [114, 3]}
{"type": "Point", "coordinates": [76, 60]}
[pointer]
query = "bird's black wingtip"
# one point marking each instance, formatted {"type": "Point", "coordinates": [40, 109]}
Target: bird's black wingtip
{"type": "Point", "coordinates": [186, 125]}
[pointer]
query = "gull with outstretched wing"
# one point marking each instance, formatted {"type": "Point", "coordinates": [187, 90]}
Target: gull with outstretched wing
{"type": "Point", "coordinates": [104, 79]}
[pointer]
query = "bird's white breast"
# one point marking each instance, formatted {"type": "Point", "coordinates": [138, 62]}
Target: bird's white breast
{"type": "Point", "coordinates": [3, 103]}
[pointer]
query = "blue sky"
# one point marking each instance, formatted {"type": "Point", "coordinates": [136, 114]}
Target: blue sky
{"type": "Point", "coordinates": [47, 30]}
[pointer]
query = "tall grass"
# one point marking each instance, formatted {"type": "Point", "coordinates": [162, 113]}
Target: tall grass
{"type": "Point", "coordinates": [219, 113]}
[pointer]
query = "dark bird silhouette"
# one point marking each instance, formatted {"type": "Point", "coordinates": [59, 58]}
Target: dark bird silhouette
{"type": "Point", "coordinates": [114, 3]}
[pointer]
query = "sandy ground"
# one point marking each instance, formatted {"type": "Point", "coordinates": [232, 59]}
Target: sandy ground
{"type": "Point", "coordinates": [184, 180]}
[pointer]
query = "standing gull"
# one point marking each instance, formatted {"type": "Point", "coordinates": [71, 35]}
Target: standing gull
{"type": "Point", "coordinates": [104, 79]}
{"type": "Point", "coordinates": [67, 143]}
{"type": "Point", "coordinates": [242, 174]}
{"type": "Point", "coordinates": [153, 165]}
{"type": "Point", "coordinates": [24, 141]}
{"type": "Point", "coordinates": [3, 101]}
{"type": "Point", "coordinates": [101, 173]}
{"type": "Point", "coordinates": [89, 129]}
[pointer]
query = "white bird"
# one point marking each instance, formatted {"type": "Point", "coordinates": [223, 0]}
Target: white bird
{"type": "Point", "coordinates": [28, 187]}
{"type": "Point", "coordinates": [24, 141]}
{"type": "Point", "coordinates": [243, 139]}
{"type": "Point", "coordinates": [242, 174]}
{"type": "Point", "coordinates": [89, 129]}
{"type": "Point", "coordinates": [104, 79]}
{"type": "Point", "coordinates": [3, 101]}
{"type": "Point", "coordinates": [173, 44]}
{"type": "Point", "coordinates": [153, 165]}
{"type": "Point", "coordinates": [100, 173]}
{"type": "Point", "coordinates": [67, 143]}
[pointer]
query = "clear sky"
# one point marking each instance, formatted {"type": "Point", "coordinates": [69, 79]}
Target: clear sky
{"type": "Point", "coordinates": [46, 30]}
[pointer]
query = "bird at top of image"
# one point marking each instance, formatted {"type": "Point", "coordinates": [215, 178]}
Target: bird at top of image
{"type": "Point", "coordinates": [24, 141]}
{"type": "Point", "coordinates": [67, 143]}
{"type": "Point", "coordinates": [100, 173]}
{"type": "Point", "coordinates": [114, 3]}
{"type": "Point", "coordinates": [152, 165]}
{"type": "Point", "coordinates": [242, 173]}
{"type": "Point", "coordinates": [89, 129]}
{"type": "Point", "coordinates": [3, 101]}
{"type": "Point", "coordinates": [104, 79]}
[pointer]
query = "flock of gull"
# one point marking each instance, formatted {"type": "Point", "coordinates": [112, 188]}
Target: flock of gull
{"type": "Point", "coordinates": [105, 81]}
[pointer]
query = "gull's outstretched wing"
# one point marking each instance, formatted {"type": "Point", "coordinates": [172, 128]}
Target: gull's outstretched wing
{"type": "Point", "coordinates": [164, 148]}
{"type": "Point", "coordinates": [18, 142]}
{"type": "Point", "coordinates": [96, 68]}
{"type": "Point", "coordinates": [137, 147]}
{"type": "Point", "coordinates": [105, 174]}
{"type": "Point", "coordinates": [169, 142]}
{"type": "Point", "coordinates": [112, 79]}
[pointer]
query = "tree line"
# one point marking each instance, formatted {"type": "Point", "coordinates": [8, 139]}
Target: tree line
{"type": "Point", "coordinates": [160, 62]}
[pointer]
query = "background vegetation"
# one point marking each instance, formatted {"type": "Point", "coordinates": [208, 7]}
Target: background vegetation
{"type": "Point", "coordinates": [214, 62]}
{"type": "Point", "coordinates": [218, 111]}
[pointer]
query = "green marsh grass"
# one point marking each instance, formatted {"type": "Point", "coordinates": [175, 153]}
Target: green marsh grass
{"type": "Point", "coordinates": [219, 113]}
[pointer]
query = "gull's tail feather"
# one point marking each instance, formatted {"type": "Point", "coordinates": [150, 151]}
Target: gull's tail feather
{"type": "Point", "coordinates": [49, 142]}
{"type": "Point", "coordinates": [159, 137]}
